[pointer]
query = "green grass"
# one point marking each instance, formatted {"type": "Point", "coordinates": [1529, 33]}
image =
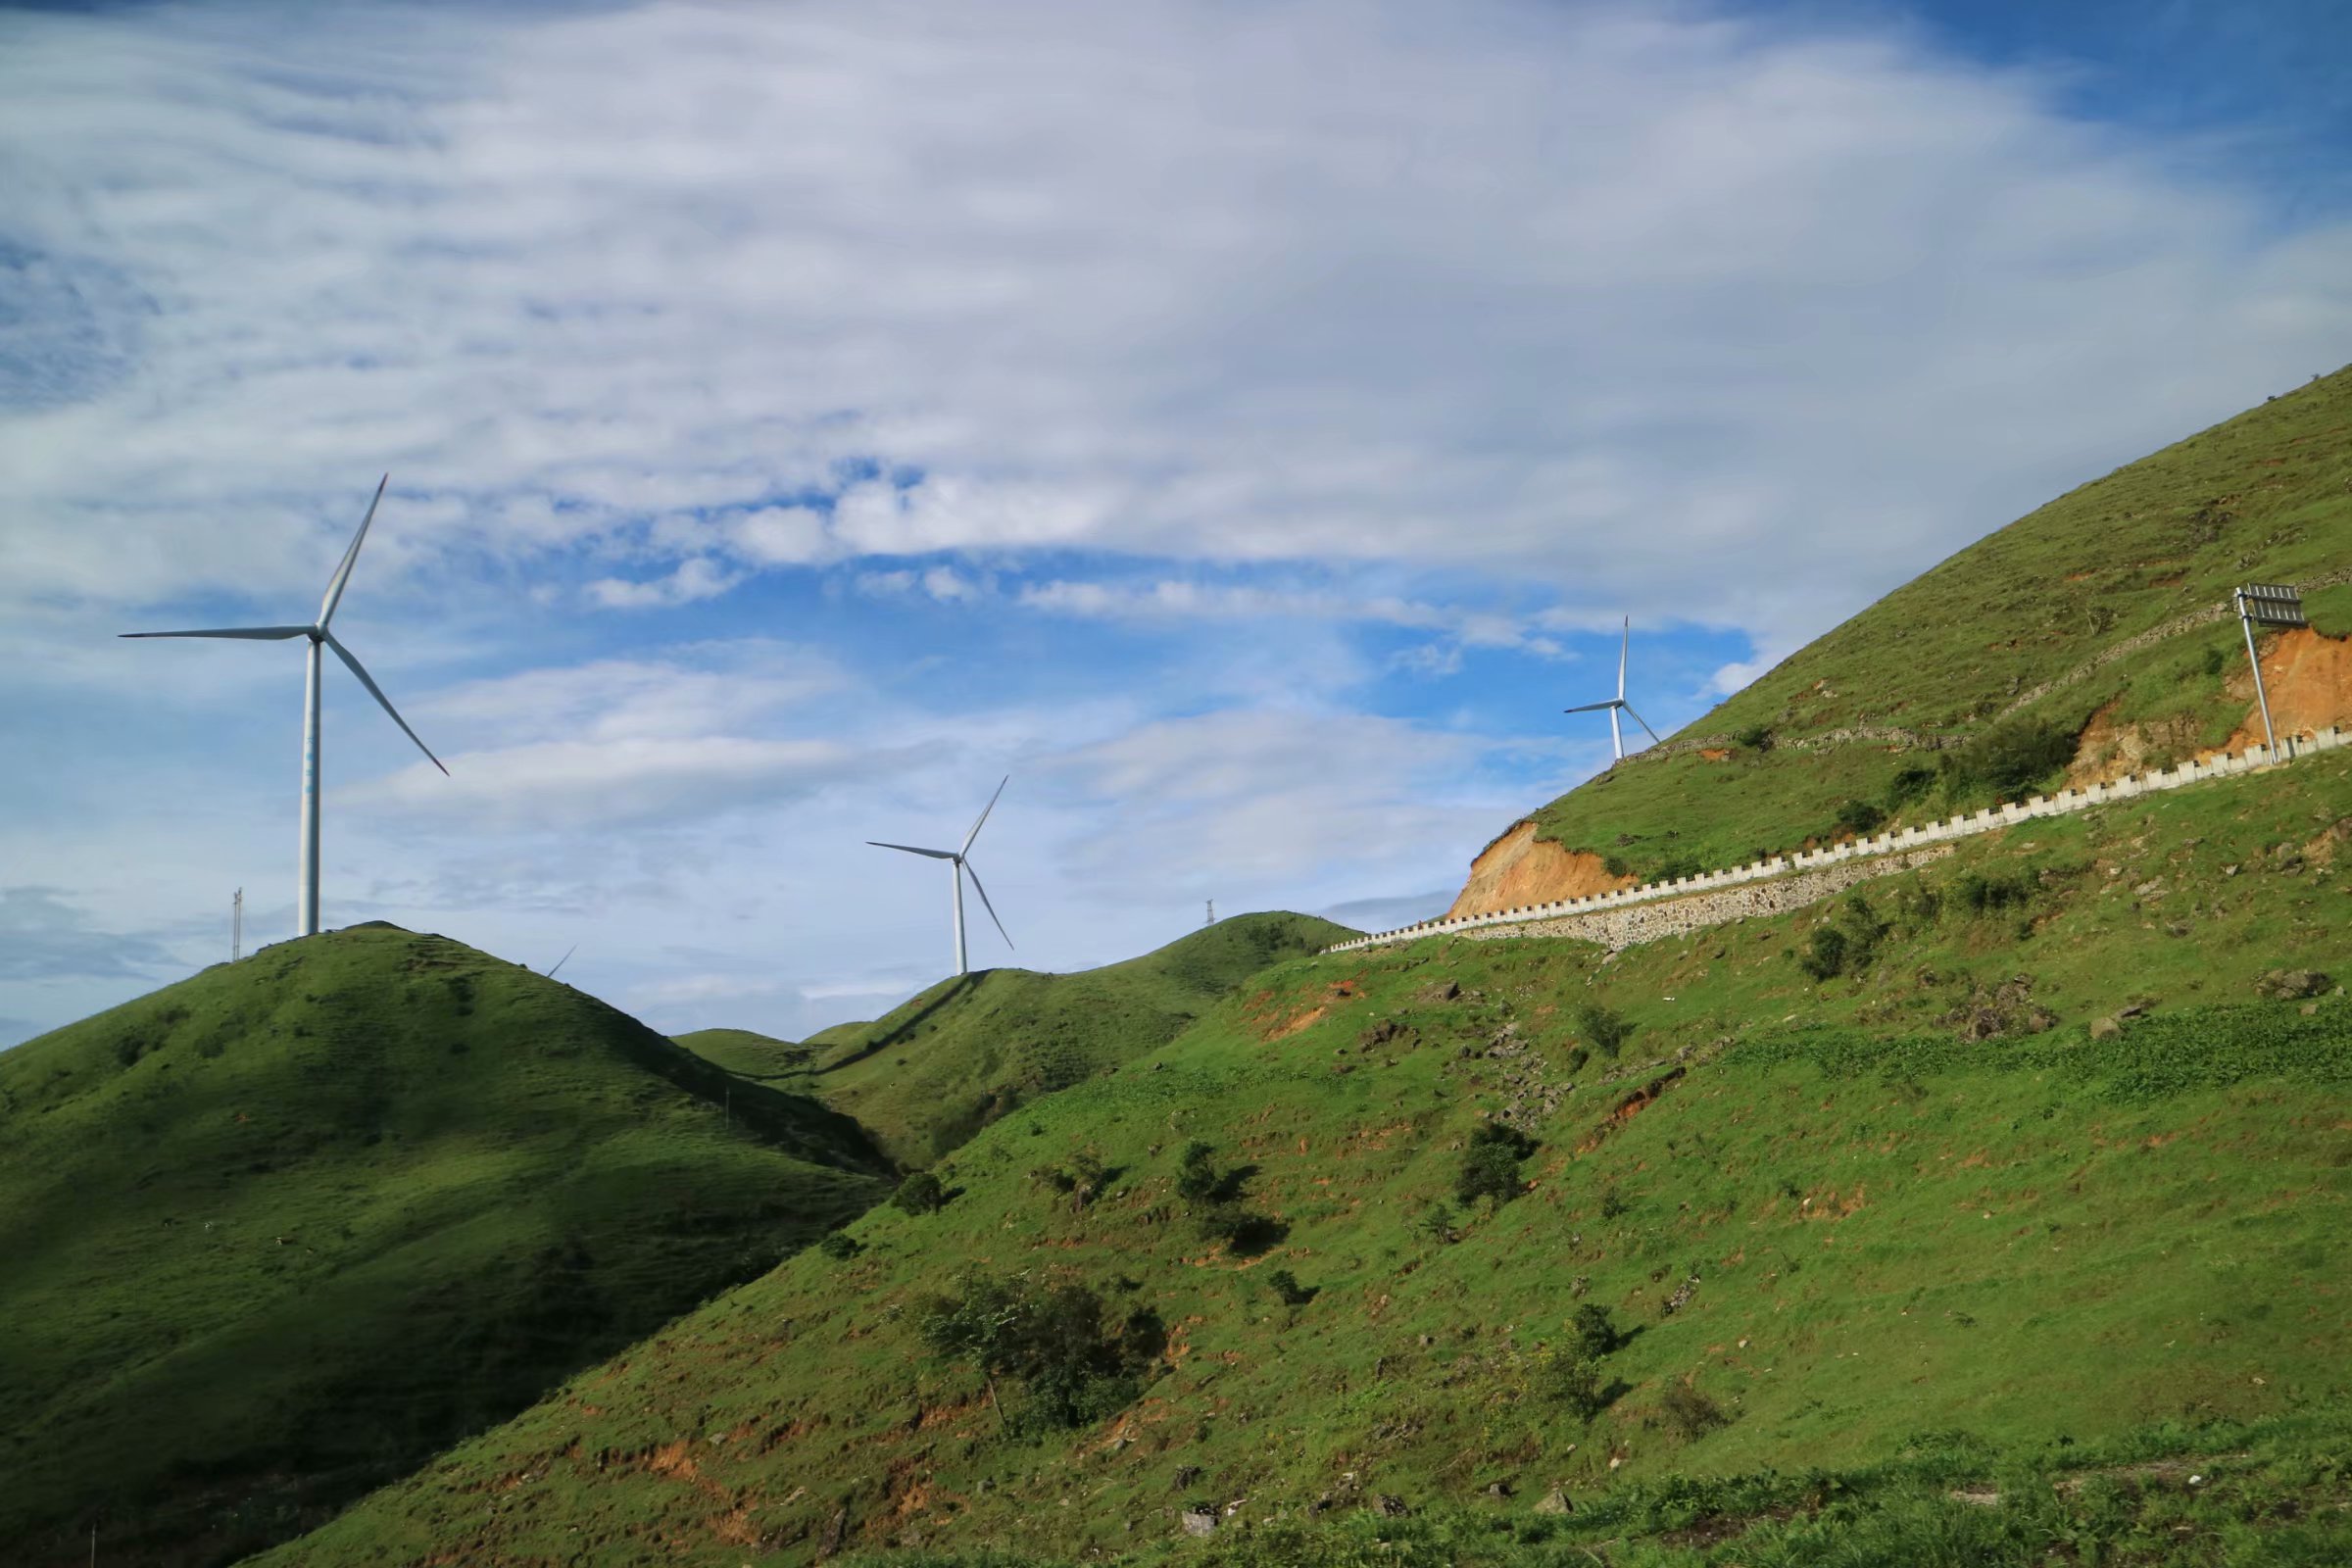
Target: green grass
{"type": "Point", "coordinates": [274, 1234]}
{"type": "Point", "coordinates": [763, 1058]}
{"type": "Point", "coordinates": [1922, 1260]}
{"type": "Point", "coordinates": [2264, 497]}
{"type": "Point", "coordinates": [970, 1049]}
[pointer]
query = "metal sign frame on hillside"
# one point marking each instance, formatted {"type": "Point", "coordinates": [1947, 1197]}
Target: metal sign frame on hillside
{"type": "Point", "coordinates": [2271, 603]}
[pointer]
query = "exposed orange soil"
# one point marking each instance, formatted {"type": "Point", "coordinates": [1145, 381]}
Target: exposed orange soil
{"type": "Point", "coordinates": [2308, 679]}
{"type": "Point", "coordinates": [1519, 869]}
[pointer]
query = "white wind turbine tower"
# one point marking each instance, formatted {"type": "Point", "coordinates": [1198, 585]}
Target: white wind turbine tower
{"type": "Point", "coordinates": [958, 867]}
{"type": "Point", "coordinates": [307, 893]}
{"type": "Point", "coordinates": [1617, 733]}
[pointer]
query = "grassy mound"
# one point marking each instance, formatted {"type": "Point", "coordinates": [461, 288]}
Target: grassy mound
{"type": "Point", "coordinates": [936, 1070]}
{"type": "Point", "coordinates": [274, 1234]}
{"type": "Point", "coordinates": [1732, 1252]}
{"type": "Point", "coordinates": [762, 1058]}
{"type": "Point", "coordinates": [1957, 656]}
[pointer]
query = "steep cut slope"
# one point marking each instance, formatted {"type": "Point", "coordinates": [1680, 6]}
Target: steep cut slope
{"type": "Point", "coordinates": [2044, 1172]}
{"type": "Point", "coordinates": [1979, 679]}
{"type": "Point", "coordinates": [939, 1068]}
{"type": "Point", "coordinates": [276, 1233]}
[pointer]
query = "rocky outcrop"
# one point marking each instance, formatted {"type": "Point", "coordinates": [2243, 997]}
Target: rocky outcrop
{"type": "Point", "coordinates": [1519, 870]}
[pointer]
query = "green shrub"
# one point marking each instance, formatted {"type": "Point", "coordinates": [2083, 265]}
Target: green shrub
{"type": "Point", "coordinates": [920, 1194]}
{"type": "Point", "coordinates": [840, 1245]}
{"type": "Point", "coordinates": [1981, 893]}
{"type": "Point", "coordinates": [1490, 1164]}
{"type": "Point", "coordinates": [1691, 1413]}
{"type": "Point", "coordinates": [1573, 1383]}
{"type": "Point", "coordinates": [1615, 866]}
{"type": "Point", "coordinates": [1055, 1340]}
{"type": "Point", "coordinates": [1910, 785]}
{"type": "Point", "coordinates": [1438, 1224]}
{"type": "Point", "coordinates": [1591, 1332]}
{"type": "Point", "coordinates": [1757, 738]}
{"type": "Point", "coordinates": [1845, 943]}
{"type": "Point", "coordinates": [1859, 818]}
{"type": "Point", "coordinates": [2010, 757]}
{"type": "Point", "coordinates": [1576, 1060]}
{"type": "Point", "coordinates": [1197, 1175]}
{"type": "Point", "coordinates": [1607, 1030]}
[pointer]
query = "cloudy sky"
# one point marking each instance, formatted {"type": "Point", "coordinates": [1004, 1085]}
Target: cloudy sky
{"type": "Point", "coordinates": [1241, 423]}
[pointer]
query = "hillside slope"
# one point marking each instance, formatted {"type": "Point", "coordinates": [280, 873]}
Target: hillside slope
{"type": "Point", "coordinates": [935, 1070]}
{"type": "Point", "coordinates": [1981, 678]}
{"type": "Point", "coordinates": [277, 1232]}
{"type": "Point", "coordinates": [746, 1053]}
{"type": "Point", "coordinates": [2045, 1173]}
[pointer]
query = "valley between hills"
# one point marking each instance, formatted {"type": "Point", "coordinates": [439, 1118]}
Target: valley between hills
{"type": "Point", "coordinates": [1989, 1213]}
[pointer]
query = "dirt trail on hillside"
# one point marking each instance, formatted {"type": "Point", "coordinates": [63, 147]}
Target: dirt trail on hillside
{"type": "Point", "coordinates": [1519, 869]}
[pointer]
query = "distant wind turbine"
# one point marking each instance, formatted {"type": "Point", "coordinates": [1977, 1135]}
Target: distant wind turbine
{"type": "Point", "coordinates": [958, 867]}
{"type": "Point", "coordinates": [1616, 733]}
{"type": "Point", "coordinates": [307, 893]}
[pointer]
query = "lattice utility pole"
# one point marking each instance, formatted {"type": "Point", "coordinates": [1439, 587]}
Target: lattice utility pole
{"type": "Point", "coordinates": [1213, 913]}
{"type": "Point", "coordinates": [236, 926]}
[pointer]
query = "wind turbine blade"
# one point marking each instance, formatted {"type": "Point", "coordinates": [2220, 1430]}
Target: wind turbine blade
{"type": "Point", "coordinates": [567, 958]}
{"type": "Point", "coordinates": [378, 692]}
{"type": "Point", "coordinates": [985, 905]}
{"type": "Point", "coordinates": [1623, 649]}
{"type": "Point", "coordinates": [984, 810]}
{"type": "Point", "coordinates": [936, 855]}
{"type": "Point", "coordinates": [266, 634]}
{"type": "Point", "coordinates": [335, 589]}
{"type": "Point", "coordinates": [1593, 707]}
{"type": "Point", "coordinates": [1643, 722]}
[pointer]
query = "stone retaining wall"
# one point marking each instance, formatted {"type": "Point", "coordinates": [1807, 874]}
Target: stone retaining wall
{"type": "Point", "coordinates": [1896, 842]}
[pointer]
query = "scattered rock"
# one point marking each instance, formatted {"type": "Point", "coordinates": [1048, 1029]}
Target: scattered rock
{"type": "Point", "coordinates": [2106, 1028]}
{"type": "Point", "coordinates": [1388, 1507]}
{"type": "Point", "coordinates": [1198, 1522]}
{"type": "Point", "coordinates": [1556, 1501]}
{"type": "Point", "coordinates": [834, 1530]}
{"type": "Point", "coordinates": [1380, 1033]}
{"type": "Point", "coordinates": [2289, 985]}
{"type": "Point", "coordinates": [1499, 1491]}
{"type": "Point", "coordinates": [1681, 1296]}
{"type": "Point", "coordinates": [1445, 990]}
{"type": "Point", "coordinates": [1185, 1475]}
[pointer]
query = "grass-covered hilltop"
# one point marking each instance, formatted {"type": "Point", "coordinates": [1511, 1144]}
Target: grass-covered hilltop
{"type": "Point", "coordinates": [970, 1049]}
{"type": "Point", "coordinates": [274, 1235]}
{"type": "Point", "coordinates": [1990, 1211]}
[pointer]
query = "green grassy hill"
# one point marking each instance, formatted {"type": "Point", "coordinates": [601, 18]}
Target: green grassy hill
{"type": "Point", "coordinates": [1966, 648]}
{"type": "Point", "coordinates": [763, 1058]}
{"type": "Point", "coordinates": [937, 1069]}
{"type": "Point", "coordinates": [1974, 1250]}
{"type": "Point", "coordinates": [271, 1235]}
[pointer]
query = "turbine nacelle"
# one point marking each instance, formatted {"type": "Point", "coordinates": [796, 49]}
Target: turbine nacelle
{"type": "Point", "coordinates": [960, 867]}
{"type": "Point", "coordinates": [318, 636]}
{"type": "Point", "coordinates": [1618, 702]}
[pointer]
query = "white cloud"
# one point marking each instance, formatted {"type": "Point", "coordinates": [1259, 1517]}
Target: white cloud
{"type": "Point", "coordinates": [696, 577]}
{"type": "Point", "coordinates": [1706, 317]}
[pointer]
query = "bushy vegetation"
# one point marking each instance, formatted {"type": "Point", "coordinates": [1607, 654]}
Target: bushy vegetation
{"type": "Point", "coordinates": [1490, 1164]}
{"type": "Point", "coordinates": [1056, 1341]}
{"type": "Point", "coordinates": [1844, 944]}
{"type": "Point", "coordinates": [920, 1193]}
{"type": "Point", "coordinates": [1603, 1028]}
{"type": "Point", "coordinates": [2010, 759]}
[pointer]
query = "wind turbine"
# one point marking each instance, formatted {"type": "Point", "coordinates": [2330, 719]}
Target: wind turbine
{"type": "Point", "coordinates": [1616, 732]}
{"type": "Point", "coordinates": [958, 867]}
{"type": "Point", "coordinates": [306, 903]}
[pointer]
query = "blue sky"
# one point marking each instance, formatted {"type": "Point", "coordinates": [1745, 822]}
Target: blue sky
{"type": "Point", "coordinates": [1245, 427]}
